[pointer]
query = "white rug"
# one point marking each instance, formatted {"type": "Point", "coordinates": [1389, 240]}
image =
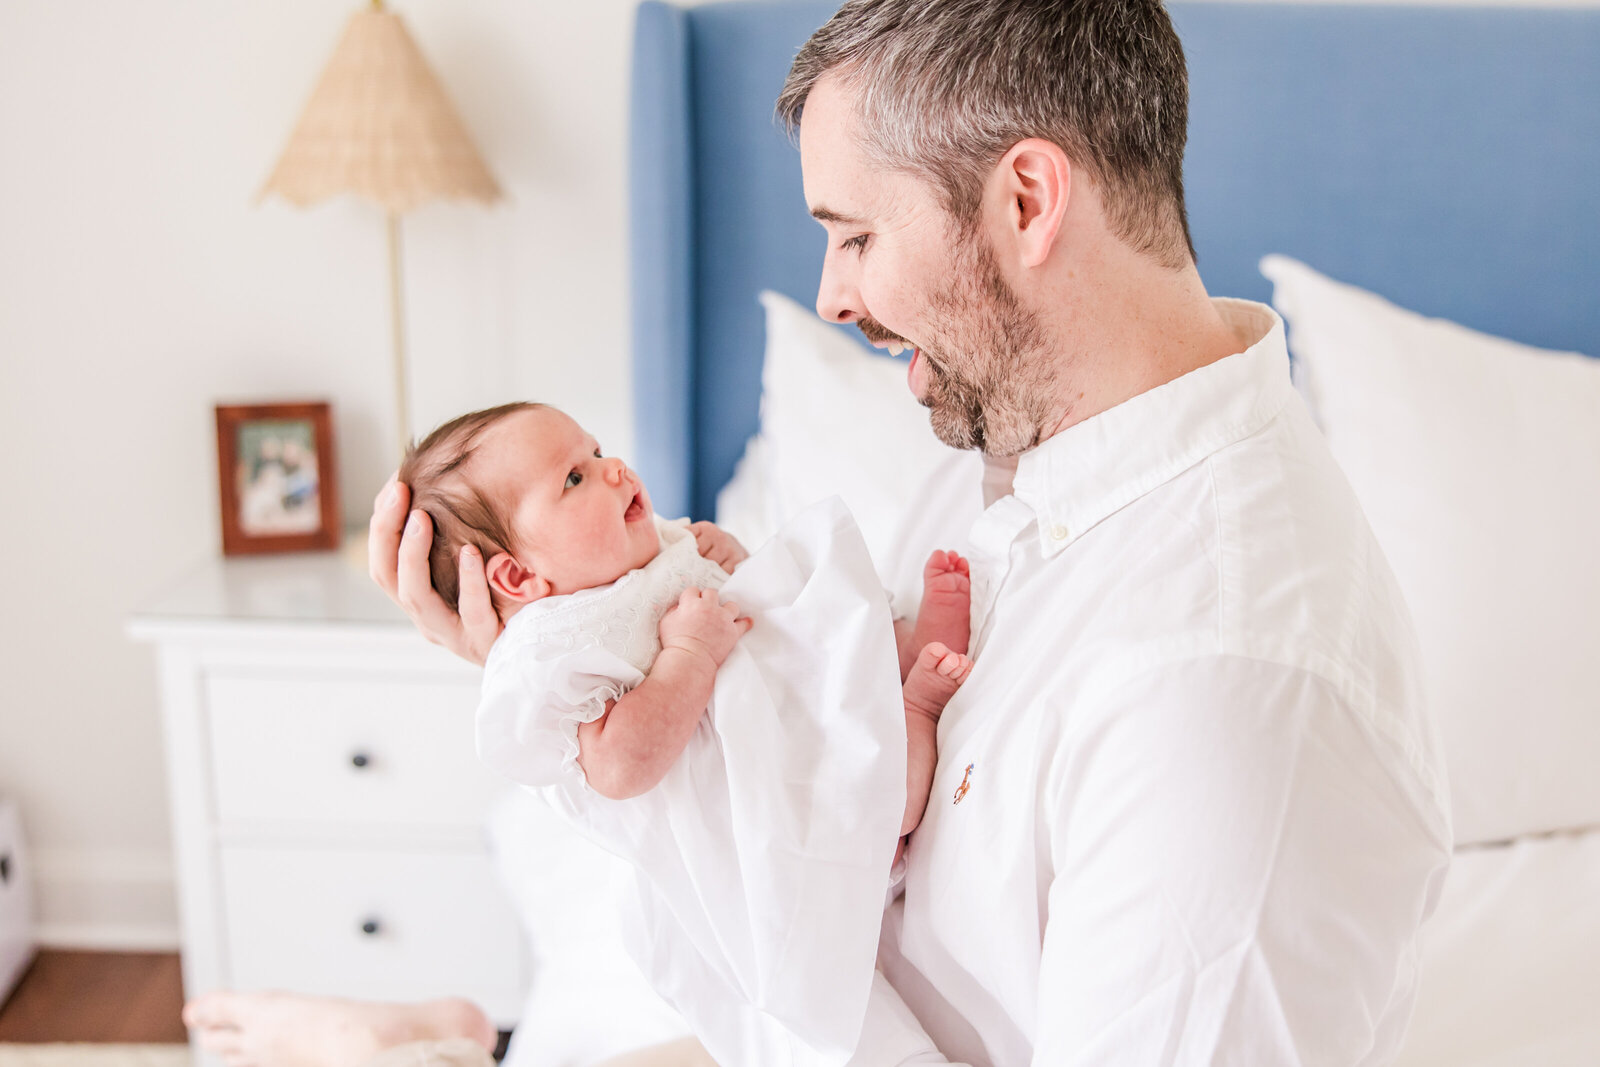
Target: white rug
{"type": "Point", "coordinates": [74, 1055]}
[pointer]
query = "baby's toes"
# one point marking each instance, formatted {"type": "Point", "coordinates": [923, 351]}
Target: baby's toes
{"type": "Point", "coordinates": [932, 655]}
{"type": "Point", "coordinates": [955, 666]}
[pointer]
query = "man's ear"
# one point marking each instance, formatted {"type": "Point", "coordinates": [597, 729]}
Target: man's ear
{"type": "Point", "coordinates": [1036, 179]}
{"type": "Point", "coordinates": [510, 579]}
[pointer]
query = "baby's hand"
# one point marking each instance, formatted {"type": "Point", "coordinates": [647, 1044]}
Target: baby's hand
{"type": "Point", "coordinates": [718, 545]}
{"type": "Point", "coordinates": [703, 626]}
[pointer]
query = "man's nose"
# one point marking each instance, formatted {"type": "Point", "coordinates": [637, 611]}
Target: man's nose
{"type": "Point", "coordinates": [613, 471]}
{"type": "Point", "coordinates": [837, 297]}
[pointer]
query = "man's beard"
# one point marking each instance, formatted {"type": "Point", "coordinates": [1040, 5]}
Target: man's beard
{"type": "Point", "coordinates": [986, 388]}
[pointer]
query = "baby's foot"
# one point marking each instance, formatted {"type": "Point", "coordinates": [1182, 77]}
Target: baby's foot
{"type": "Point", "coordinates": [934, 679]}
{"type": "Point", "coordinates": [946, 612]}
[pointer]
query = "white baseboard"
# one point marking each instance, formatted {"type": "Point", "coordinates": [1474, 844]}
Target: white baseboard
{"type": "Point", "coordinates": [105, 937]}
{"type": "Point", "coordinates": [109, 899]}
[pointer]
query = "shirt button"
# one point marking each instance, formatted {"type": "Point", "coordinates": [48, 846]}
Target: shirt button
{"type": "Point", "coordinates": [1058, 532]}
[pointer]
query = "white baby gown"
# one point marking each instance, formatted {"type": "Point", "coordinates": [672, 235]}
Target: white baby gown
{"type": "Point", "coordinates": [762, 858]}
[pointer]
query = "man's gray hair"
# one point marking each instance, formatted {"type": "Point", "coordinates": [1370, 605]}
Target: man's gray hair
{"type": "Point", "coordinates": [944, 88]}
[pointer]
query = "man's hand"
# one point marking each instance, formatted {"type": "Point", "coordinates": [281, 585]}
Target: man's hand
{"type": "Point", "coordinates": [702, 626]}
{"type": "Point", "coordinates": [718, 545]}
{"type": "Point", "coordinates": [397, 558]}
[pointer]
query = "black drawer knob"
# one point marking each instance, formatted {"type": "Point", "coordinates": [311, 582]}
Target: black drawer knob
{"type": "Point", "coordinates": [5, 869]}
{"type": "Point", "coordinates": [360, 760]}
{"type": "Point", "coordinates": [371, 927]}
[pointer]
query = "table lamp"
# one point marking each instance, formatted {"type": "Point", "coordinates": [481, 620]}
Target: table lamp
{"type": "Point", "coordinates": [379, 125]}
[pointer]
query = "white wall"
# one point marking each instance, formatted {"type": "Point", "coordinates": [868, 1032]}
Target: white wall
{"type": "Point", "coordinates": [140, 284]}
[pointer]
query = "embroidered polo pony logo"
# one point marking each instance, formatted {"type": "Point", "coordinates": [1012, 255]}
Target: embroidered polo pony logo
{"type": "Point", "coordinates": [966, 781]}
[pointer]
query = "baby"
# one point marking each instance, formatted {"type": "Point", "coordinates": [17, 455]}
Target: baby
{"type": "Point", "coordinates": [562, 526]}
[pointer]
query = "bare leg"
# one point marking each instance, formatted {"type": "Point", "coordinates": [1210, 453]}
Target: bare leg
{"type": "Point", "coordinates": [945, 615]}
{"type": "Point", "coordinates": [287, 1030]}
{"type": "Point", "coordinates": [934, 678]}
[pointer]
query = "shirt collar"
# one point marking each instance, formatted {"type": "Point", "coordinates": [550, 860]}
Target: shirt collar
{"type": "Point", "coordinates": [1093, 468]}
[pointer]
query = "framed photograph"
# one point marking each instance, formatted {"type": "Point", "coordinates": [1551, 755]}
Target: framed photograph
{"type": "Point", "coordinates": [279, 480]}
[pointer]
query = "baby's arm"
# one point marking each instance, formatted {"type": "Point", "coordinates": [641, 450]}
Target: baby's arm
{"type": "Point", "coordinates": [629, 749]}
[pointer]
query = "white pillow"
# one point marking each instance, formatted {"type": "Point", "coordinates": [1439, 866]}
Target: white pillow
{"type": "Point", "coordinates": [1477, 461]}
{"type": "Point", "coordinates": [838, 420]}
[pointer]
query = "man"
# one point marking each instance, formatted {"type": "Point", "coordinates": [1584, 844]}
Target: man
{"type": "Point", "coordinates": [1189, 808]}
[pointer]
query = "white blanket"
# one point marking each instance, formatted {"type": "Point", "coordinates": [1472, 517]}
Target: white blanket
{"type": "Point", "coordinates": [763, 856]}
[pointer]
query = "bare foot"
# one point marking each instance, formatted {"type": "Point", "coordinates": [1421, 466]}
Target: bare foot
{"type": "Point", "coordinates": [934, 679]}
{"type": "Point", "coordinates": [945, 615]}
{"type": "Point", "coordinates": [287, 1030]}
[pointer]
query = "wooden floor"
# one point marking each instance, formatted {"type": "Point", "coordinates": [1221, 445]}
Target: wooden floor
{"type": "Point", "coordinates": [131, 997]}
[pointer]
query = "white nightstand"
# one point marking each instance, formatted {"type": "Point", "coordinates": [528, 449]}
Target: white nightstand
{"type": "Point", "coordinates": [327, 805]}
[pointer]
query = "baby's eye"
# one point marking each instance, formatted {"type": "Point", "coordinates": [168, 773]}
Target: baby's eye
{"type": "Point", "coordinates": [573, 479]}
{"type": "Point", "coordinates": [597, 454]}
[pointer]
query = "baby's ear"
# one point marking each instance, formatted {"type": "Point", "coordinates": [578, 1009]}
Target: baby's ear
{"type": "Point", "coordinates": [510, 579]}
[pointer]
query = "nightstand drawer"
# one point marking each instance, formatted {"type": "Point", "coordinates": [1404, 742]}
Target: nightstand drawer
{"type": "Point", "coordinates": [359, 750]}
{"type": "Point", "coordinates": [394, 926]}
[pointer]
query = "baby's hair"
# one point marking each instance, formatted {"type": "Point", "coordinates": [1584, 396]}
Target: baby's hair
{"type": "Point", "coordinates": [462, 513]}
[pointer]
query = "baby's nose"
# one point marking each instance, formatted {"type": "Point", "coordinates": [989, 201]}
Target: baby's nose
{"type": "Point", "coordinates": [614, 469]}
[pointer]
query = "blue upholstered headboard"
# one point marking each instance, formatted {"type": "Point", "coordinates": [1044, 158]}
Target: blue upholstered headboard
{"type": "Point", "coordinates": [1447, 158]}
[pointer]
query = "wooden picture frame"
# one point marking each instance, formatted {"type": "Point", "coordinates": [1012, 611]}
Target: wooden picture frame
{"type": "Point", "coordinates": [278, 478]}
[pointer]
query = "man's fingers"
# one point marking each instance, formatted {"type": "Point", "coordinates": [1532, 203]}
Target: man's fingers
{"type": "Point", "coordinates": [414, 583]}
{"type": "Point", "coordinates": [480, 622]}
{"type": "Point", "coordinates": [412, 575]}
{"type": "Point", "coordinates": [383, 533]}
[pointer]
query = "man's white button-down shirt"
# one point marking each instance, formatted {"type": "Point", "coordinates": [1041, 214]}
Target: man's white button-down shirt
{"type": "Point", "coordinates": [1189, 807]}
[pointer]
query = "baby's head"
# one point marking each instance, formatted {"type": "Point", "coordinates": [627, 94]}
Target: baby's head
{"type": "Point", "coordinates": [530, 490]}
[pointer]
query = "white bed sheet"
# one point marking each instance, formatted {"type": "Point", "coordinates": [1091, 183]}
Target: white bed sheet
{"type": "Point", "coordinates": [1511, 959]}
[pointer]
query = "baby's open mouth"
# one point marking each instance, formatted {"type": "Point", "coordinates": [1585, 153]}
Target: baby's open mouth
{"type": "Point", "coordinates": [635, 510]}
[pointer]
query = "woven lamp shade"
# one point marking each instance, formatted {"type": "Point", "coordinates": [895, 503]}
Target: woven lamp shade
{"type": "Point", "coordinates": [379, 125]}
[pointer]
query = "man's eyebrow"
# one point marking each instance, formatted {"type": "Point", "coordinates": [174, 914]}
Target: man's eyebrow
{"type": "Point", "coordinates": [823, 214]}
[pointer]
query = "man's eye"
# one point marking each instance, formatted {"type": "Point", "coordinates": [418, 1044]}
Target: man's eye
{"type": "Point", "coordinates": [573, 479]}
{"type": "Point", "coordinates": [855, 244]}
